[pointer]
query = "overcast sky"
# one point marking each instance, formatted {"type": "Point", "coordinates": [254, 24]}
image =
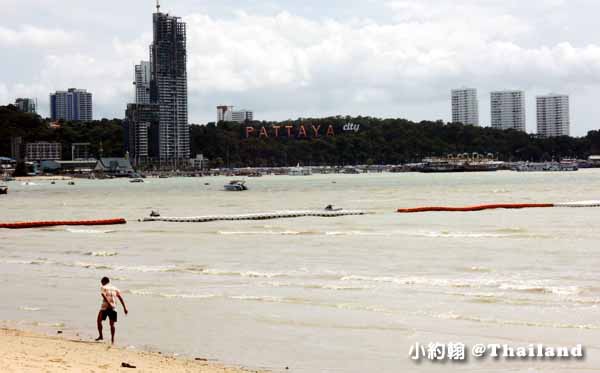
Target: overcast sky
{"type": "Point", "coordinates": [288, 59]}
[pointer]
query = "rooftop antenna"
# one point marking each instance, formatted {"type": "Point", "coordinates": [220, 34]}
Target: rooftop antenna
{"type": "Point", "coordinates": [157, 6]}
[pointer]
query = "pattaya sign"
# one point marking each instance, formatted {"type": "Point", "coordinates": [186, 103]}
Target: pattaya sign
{"type": "Point", "coordinates": [300, 132]}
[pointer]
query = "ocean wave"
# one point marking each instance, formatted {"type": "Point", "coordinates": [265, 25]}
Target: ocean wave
{"type": "Point", "coordinates": [269, 233]}
{"type": "Point", "coordinates": [146, 292]}
{"type": "Point", "coordinates": [534, 287]}
{"type": "Point", "coordinates": [29, 309]}
{"type": "Point", "coordinates": [93, 265]}
{"type": "Point", "coordinates": [101, 253]}
{"type": "Point", "coordinates": [27, 262]}
{"type": "Point", "coordinates": [258, 298]}
{"type": "Point", "coordinates": [456, 316]}
{"type": "Point", "coordinates": [528, 286]}
{"type": "Point", "coordinates": [89, 231]}
{"type": "Point", "coordinates": [479, 269]}
{"type": "Point", "coordinates": [459, 283]}
{"type": "Point", "coordinates": [255, 274]}
{"type": "Point", "coordinates": [317, 286]}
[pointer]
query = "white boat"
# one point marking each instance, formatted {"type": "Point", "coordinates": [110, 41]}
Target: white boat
{"type": "Point", "coordinates": [236, 186]}
{"type": "Point", "coordinates": [299, 171]}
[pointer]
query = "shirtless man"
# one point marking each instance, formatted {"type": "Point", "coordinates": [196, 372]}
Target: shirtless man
{"type": "Point", "coordinates": [109, 307]}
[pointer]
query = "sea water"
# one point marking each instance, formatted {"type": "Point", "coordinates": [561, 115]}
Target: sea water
{"type": "Point", "coordinates": [348, 294]}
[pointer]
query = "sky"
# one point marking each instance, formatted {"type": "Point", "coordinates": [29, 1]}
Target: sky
{"type": "Point", "coordinates": [312, 58]}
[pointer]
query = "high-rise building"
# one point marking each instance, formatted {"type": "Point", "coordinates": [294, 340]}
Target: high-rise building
{"type": "Point", "coordinates": [142, 132]}
{"type": "Point", "coordinates": [74, 104]}
{"type": "Point", "coordinates": [227, 114]}
{"type": "Point", "coordinates": [508, 110]}
{"type": "Point", "coordinates": [553, 118]}
{"type": "Point", "coordinates": [224, 113]}
{"type": "Point", "coordinates": [242, 116]}
{"type": "Point", "coordinates": [465, 106]}
{"type": "Point", "coordinates": [168, 85]}
{"type": "Point", "coordinates": [26, 105]}
{"type": "Point", "coordinates": [142, 82]}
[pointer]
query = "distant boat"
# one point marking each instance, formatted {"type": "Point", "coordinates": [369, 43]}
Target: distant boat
{"type": "Point", "coordinates": [71, 183]}
{"type": "Point", "coordinates": [136, 180]}
{"type": "Point", "coordinates": [236, 186]}
{"type": "Point", "coordinates": [299, 171]}
{"type": "Point", "coordinates": [438, 165]}
{"type": "Point", "coordinates": [547, 167]}
{"type": "Point", "coordinates": [163, 177]}
{"type": "Point", "coordinates": [3, 189]}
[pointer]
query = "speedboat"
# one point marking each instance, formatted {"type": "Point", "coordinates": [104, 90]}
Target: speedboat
{"type": "Point", "coordinates": [236, 186]}
{"type": "Point", "coordinates": [136, 180]}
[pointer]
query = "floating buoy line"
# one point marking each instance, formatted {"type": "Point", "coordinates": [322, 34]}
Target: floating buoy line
{"type": "Point", "coordinates": [497, 206]}
{"type": "Point", "coordinates": [260, 216]}
{"type": "Point", "coordinates": [42, 224]}
{"type": "Point", "coordinates": [294, 214]}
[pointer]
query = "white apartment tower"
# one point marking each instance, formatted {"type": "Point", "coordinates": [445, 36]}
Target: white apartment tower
{"type": "Point", "coordinates": [465, 106]}
{"type": "Point", "coordinates": [553, 118]}
{"type": "Point", "coordinates": [508, 110]}
{"type": "Point", "coordinates": [142, 82]}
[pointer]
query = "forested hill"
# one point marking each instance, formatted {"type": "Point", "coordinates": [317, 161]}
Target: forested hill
{"type": "Point", "coordinates": [324, 141]}
{"type": "Point", "coordinates": [377, 141]}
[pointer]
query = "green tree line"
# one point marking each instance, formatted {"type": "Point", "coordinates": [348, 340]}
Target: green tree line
{"type": "Point", "coordinates": [378, 141]}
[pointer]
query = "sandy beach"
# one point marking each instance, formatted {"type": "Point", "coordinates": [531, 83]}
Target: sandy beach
{"type": "Point", "coordinates": [28, 352]}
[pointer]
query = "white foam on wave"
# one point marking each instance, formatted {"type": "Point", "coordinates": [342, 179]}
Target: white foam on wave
{"type": "Point", "coordinates": [89, 231]}
{"type": "Point", "coordinates": [224, 272]}
{"type": "Point", "coordinates": [101, 253]}
{"type": "Point", "coordinates": [539, 287]}
{"type": "Point", "coordinates": [455, 316]}
{"type": "Point", "coordinates": [29, 309]}
{"type": "Point", "coordinates": [266, 233]}
{"type": "Point", "coordinates": [317, 286]}
{"type": "Point", "coordinates": [147, 292]}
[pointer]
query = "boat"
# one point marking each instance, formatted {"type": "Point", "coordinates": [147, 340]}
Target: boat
{"type": "Point", "coordinates": [236, 186]}
{"type": "Point", "coordinates": [3, 189]}
{"type": "Point", "coordinates": [71, 183]}
{"type": "Point", "coordinates": [299, 171]}
{"type": "Point", "coordinates": [163, 176]}
{"type": "Point", "coordinates": [464, 164]}
{"type": "Point", "coordinates": [136, 180]}
{"type": "Point", "coordinates": [546, 167]}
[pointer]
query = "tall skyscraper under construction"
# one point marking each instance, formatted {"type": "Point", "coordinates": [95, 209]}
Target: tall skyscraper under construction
{"type": "Point", "coordinates": [168, 85]}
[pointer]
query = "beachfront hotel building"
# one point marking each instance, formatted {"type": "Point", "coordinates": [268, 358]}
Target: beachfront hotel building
{"type": "Point", "coordinates": [43, 151]}
{"type": "Point", "coordinates": [168, 86]}
{"type": "Point", "coordinates": [142, 83]}
{"type": "Point", "coordinates": [508, 110]}
{"type": "Point", "coordinates": [465, 106]}
{"type": "Point", "coordinates": [553, 117]}
{"type": "Point", "coordinates": [71, 105]}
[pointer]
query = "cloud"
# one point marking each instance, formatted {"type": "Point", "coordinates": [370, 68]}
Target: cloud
{"type": "Point", "coordinates": [31, 36]}
{"type": "Point", "coordinates": [401, 62]}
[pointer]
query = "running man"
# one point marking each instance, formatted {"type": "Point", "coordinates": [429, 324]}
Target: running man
{"type": "Point", "coordinates": [109, 308]}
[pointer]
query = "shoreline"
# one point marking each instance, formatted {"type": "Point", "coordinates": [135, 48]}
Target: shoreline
{"type": "Point", "coordinates": [24, 351]}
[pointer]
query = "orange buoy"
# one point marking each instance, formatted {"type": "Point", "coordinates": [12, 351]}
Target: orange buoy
{"type": "Point", "coordinates": [476, 208]}
{"type": "Point", "coordinates": [39, 224]}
